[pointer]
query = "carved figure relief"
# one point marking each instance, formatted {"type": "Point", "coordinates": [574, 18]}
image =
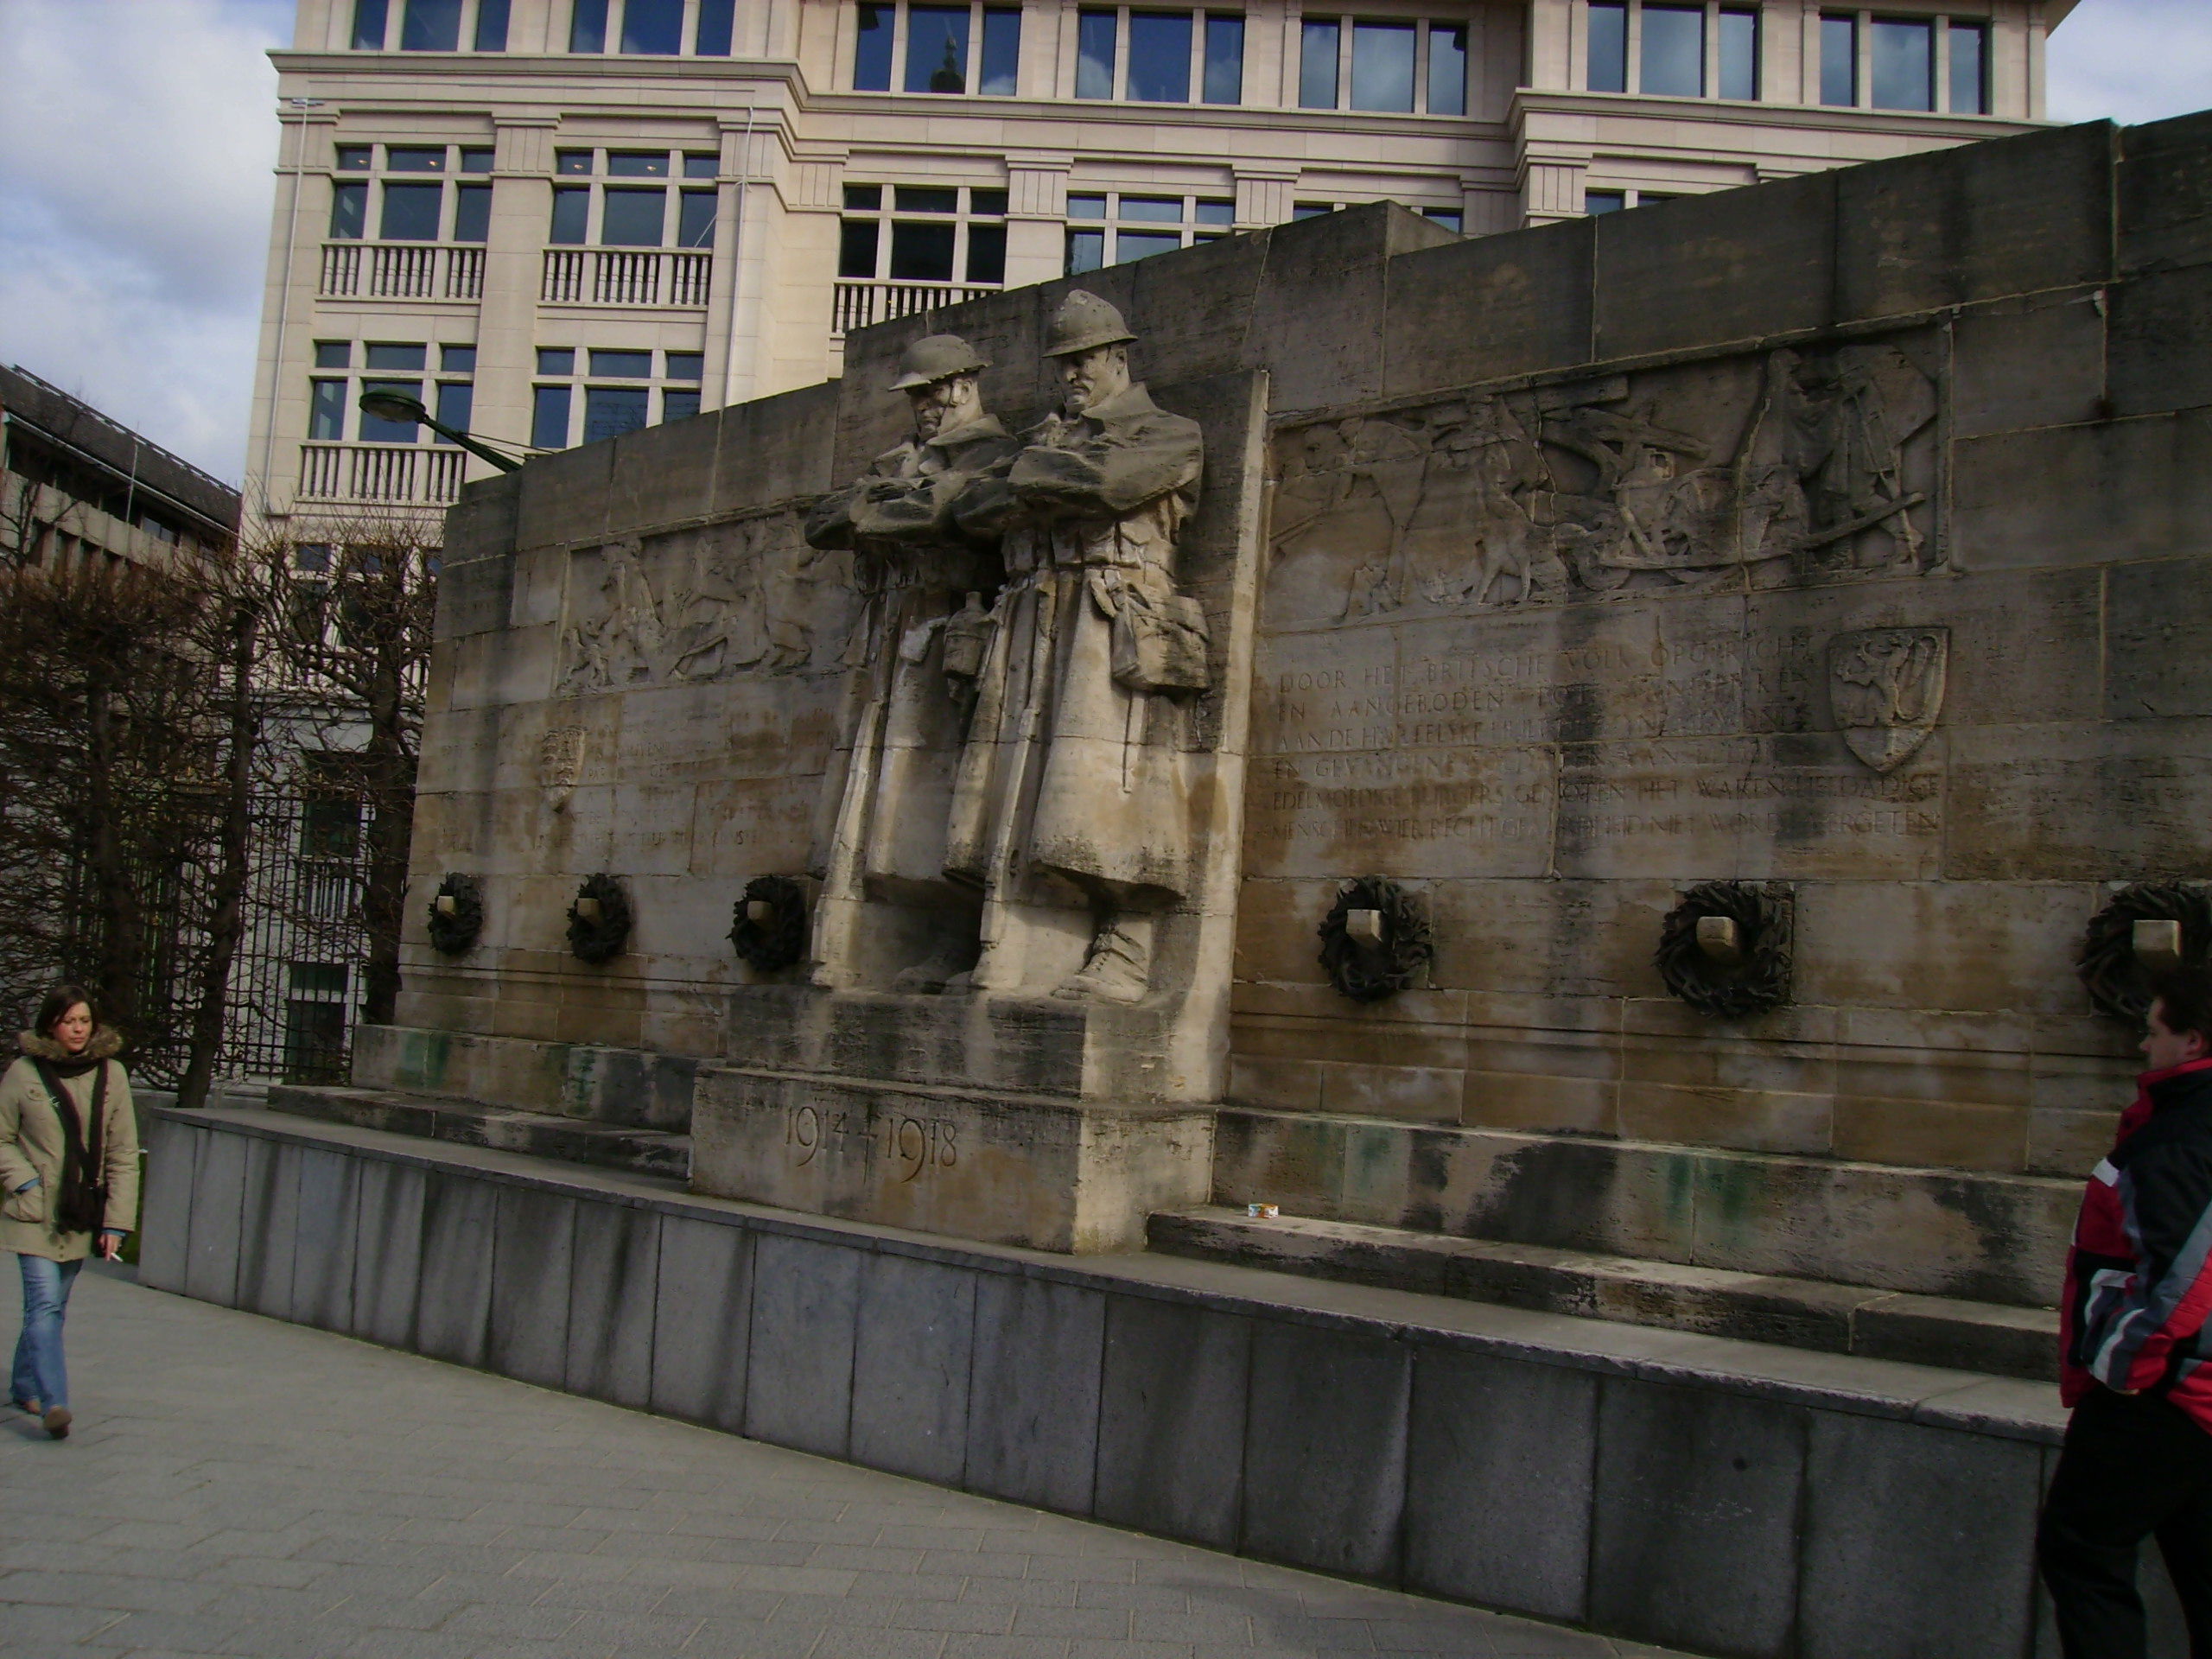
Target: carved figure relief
{"type": "Point", "coordinates": [1794, 466]}
{"type": "Point", "coordinates": [744, 597]}
{"type": "Point", "coordinates": [1886, 686]}
{"type": "Point", "coordinates": [560, 757]}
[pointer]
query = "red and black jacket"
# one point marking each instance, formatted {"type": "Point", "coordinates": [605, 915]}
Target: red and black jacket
{"type": "Point", "coordinates": [2139, 1280]}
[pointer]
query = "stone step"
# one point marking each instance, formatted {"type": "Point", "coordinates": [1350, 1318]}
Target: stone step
{"type": "Point", "coordinates": [1985, 1336]}
{"type": "Point", "coordinates": [609, 1145]}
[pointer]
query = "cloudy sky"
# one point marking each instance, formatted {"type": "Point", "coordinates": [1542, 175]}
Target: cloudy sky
{"type": "Point", "coordinates": [137, 139]}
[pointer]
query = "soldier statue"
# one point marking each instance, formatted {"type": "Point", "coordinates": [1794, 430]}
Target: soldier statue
{"type": "Point", "coordinates": [924, 579]}
{"type": "Point", "coordinates": [1070, 810]}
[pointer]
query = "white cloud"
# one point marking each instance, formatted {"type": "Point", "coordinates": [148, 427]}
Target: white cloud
{"type": "Point", "coordinates": [136, 138]}
{"type": "Point", "coordinates": [2131, 61]}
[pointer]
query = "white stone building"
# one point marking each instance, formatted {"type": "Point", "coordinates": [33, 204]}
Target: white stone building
{"type": "Point", "coordinates": [558, 219]}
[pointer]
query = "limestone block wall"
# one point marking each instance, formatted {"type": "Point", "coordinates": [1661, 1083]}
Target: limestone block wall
{"type": "Point", "coordinates": [1582, 607]}
{"type": "Point", "coordinates": [1841, 534]}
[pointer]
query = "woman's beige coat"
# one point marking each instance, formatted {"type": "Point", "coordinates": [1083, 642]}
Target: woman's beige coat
{"type": "Point", "coordinates": [31, 1143]}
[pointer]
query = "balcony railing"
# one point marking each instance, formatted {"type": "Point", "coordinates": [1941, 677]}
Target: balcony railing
{"type": "Point", "coordinates": [857, 304]}
{"type": "Point", "coordinates": [625, 276]}
{"type": "Point", "coordinates": [397, 474]}
{"type": "Point", "coordinates": [401, 270]}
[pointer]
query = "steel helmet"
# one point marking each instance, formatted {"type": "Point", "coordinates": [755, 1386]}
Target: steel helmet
{"type": "Point", "coordinates": [1083, 323]}
{"type": "Point", "coordinates": [934, 357]}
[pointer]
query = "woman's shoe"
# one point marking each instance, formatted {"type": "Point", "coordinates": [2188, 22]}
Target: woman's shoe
{"type": "Point", "coordinates": [57, 1422]}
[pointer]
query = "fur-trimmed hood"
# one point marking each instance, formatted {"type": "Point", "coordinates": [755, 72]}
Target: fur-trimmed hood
{"type": "Point", "coordinates": [106, 1044]}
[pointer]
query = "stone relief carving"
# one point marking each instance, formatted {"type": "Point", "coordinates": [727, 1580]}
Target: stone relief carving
{"type": "Point", "coordinates": [561, 764]}
{"type": "Point", "coordinates": [1885, 686]}
{"type": "Point", "coordinates": [743, 598]}
{"type": "Point", "coordinates": [1795, 466]}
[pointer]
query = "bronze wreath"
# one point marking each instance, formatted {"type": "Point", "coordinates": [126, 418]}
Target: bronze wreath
{"type": "Point", "coordinates": [2118, 983]}
{"type": "Point", "coordinates": [454, 931]}
{"type": "Point", "coordinates": [1765, 917]}
{"type": "Point", "coordinates": [780, 941]}
{"type": "Point", "coordinates": [1369, 972]}
{"type": "Point", "coordinates": [600, 939]}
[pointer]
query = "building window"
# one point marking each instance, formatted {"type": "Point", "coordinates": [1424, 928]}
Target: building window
{"type": "Point", "coordinates": [715, 34]}
{"type": "Point", "coordinates": [610, 409]}
{"type": "Point", "coordinates": [1673, 60]}
{"type": "Point", "coordinates": [1392, 67]}
{"type": "Point", "coordinates": [411, 212]}
{"type": "Point", "coordinates": [356, 158]}
{"type": "Point", "coordinates": [652, 29]}
{"type": "Point", "coordinates": [327, 411]}
{"type": "Point", "coordinates": [431, 25]}
{"type": "Point", "coordinates": [1115, 229]}
{"type": "Point", "coordinates": [632, 215]}
{"type": "Point", "coordinates": [1451, 219]}
{"type": "Point", "coordinates": [349, 211]}
{"type": "Point", "coordinates": [1173, 57]}
{"type": "Point", "coordinates": [1839, 60]}
{"type": "Point", "coordinates": [1607, 69]}
{"type": "Point", "coordinates": [1595, 202]}
{"type": "Point", "coordinates": [1901, 56]}
{"type": "Point", "coordinates": [476, 161]}
{"type": "Point", "coordinates": [935, 233]}
{"type": "Point", "coordinates": [1319, 50]}
{"type": "Point", "coordinates": [1739, 56]}
{"type": "Point", "coordinates": [939, 49]}
{"type": "Point", "coordinates": [456, 400]}
{"type": "Point", "coordinates": [472, 212]}
{"type": "Point", "coordinates": [549, 418]}
{"type": "Point", "coordinates": [1969, 44]}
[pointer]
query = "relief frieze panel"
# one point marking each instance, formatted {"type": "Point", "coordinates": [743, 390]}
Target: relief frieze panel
{"type": "Point", "coordinates": [1794, 467]}
{"type": "Point", "coordinates": [740, 599]}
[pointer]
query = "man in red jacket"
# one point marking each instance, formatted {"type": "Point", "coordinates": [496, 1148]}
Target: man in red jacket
{"type": "Point", "coordinates": [2138, 1461]}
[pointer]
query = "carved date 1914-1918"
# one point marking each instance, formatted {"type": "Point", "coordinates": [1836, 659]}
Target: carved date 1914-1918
{"type": "Point", "coordinates": [910, 1145]}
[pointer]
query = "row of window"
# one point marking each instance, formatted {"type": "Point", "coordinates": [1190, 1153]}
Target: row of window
{"type": "Point", "coordinates": [1671, 58]}
{"type": "Point", "coordinates": [611, 216]}
{"type": "Point", "coordinates": [1165, 57]}
{"type": "Point", "coordinates": [334, 411]}
{"type": "Point", "coordinates": [640, 27]}
{"type": "Point", "coordinates": [953, 229]}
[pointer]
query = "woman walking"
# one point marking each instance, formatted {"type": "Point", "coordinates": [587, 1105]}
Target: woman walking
{"type": "Point", "coordinates": [68, 1170]}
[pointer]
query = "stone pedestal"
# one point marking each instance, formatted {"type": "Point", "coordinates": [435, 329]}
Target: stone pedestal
{"type": "Point", "coordinates": [1018, 1120]}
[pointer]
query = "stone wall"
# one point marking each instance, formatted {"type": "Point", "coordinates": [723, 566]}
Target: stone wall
{"type": "Point", "coordinates": [1713, 1495]}
{"type": "Point", "coordinates": [1837, 537]}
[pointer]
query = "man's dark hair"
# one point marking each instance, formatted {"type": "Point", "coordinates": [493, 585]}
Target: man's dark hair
{"type": "Point", "coordinates": [58, 1002]}
{"type": "Point", "coordinates": [2183, 997]}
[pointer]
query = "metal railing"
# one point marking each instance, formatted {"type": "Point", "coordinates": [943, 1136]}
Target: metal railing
{"type": "Point", "coordinates": [855, 305]}
{"type": "Point", "coordinates": [401, 270]}
{"type": "Point", "coordinates": [662, 277]}
{"type": "Point", "coordinates": [396, 473]}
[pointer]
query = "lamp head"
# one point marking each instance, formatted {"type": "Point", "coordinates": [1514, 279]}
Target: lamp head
{"type": "Point", "coordinates": [394, 406]}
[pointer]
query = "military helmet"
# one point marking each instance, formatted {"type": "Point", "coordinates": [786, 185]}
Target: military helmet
{"type": "Point", "coordinates": [934, 357]}
{"type": "Point", "coordinates": [1083, 323]}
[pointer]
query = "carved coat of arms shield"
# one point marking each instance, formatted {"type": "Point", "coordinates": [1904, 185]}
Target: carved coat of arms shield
{"type": "Point", "coordinates": [1885, 686]}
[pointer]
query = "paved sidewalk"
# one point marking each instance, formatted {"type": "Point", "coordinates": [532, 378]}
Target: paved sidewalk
{"type": "Point", "coordinates": [238, 1486]}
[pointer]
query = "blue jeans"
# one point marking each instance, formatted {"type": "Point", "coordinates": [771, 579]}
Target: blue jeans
{"type": "Point", "coordinates": [40, 1374]}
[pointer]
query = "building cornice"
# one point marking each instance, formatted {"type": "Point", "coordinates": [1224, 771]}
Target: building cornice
{"type": "Point", "coordinates": [1530, 104]}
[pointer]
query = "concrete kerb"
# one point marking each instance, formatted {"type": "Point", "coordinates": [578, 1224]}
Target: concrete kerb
{"type": "Point", "coordinates": [1052, 1443]}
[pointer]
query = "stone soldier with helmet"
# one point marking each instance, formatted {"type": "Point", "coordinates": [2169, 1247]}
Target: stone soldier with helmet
{"type": "Point", "coordinates": [919, 572]}
{"type": "Point", "coordinates": [1072, 809]}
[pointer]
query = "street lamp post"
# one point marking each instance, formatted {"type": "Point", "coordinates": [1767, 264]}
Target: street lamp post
{"type": "Point", "coordinates": [398, 407]}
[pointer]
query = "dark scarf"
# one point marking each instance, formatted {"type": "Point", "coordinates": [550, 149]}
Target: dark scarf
{"type": "Point", "coordinates": [80, 1205]}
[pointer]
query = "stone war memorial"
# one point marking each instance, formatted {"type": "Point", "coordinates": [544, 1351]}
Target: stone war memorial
{"type": "Point", "coordinates": [1461, 912]}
